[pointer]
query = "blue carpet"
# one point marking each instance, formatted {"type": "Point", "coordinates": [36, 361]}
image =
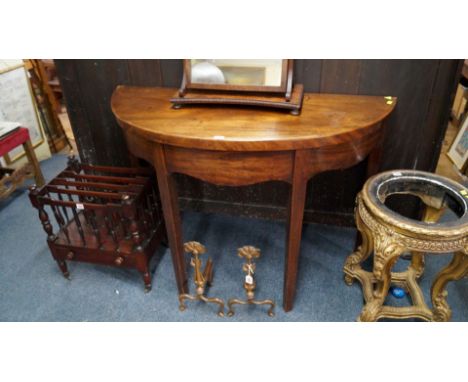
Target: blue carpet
{"type": "Point", "coordinates": [33, 289]}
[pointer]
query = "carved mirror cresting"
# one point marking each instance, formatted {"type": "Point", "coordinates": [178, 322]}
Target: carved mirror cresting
{"type": "Point", "coordinates": [254, 82]}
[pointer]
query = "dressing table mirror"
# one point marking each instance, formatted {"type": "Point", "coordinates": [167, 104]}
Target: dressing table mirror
{"type": "Point", "coordinates": [254, 82]}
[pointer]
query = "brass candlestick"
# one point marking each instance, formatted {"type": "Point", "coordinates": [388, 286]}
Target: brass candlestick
{"type": "Point", "coordinates": [249, 253]}
{"type": "Point", "coordinates": [201, 279]}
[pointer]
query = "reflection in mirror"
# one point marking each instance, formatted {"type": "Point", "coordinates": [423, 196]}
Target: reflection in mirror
{"type": "Point", "coordinates": [253, 72]}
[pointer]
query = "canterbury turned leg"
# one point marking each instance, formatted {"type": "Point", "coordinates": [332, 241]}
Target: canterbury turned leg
{"type": "Point", "coordinates": [170, 207]}
{"type": "Point", "coordinates": [294, 229]}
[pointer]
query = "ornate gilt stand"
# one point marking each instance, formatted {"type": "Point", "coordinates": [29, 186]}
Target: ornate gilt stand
{"type": "Point", "coordinates": [201, 279]}
{"type": "Point", "coordinates": [388, 235]}
{"type": "Point", "coordinates": [249, 253]}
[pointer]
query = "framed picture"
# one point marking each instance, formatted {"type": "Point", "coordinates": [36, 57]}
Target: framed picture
{"type": "Point", "coordinates": [458, 152]}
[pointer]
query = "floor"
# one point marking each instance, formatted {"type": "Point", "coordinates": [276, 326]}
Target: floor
{"type": "Point", "coordinates": [33, 289]}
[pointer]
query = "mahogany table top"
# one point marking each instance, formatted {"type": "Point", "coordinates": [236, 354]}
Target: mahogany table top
{"type": "Point", "coordinates": [325, 119]}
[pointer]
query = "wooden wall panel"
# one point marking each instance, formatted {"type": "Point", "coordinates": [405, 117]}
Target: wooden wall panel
{"type": "Point", "coordinates": [414, 132]}
{"type": "Point", "coordinates": [88, 86]}
{"type": "Point", "coordinates": [412, 81]}
{"type": "Point", "coordinates": [308, 73]}
{"type": "Point", "coordinates": [337, 76]}
{"type": "Point", "coordinates": [340, 76]}
{"type": "Point", "coordinates": [171, 73]}
{"type": "Point", "coordinates": [145, 72]}
{"type": "Point", "coordinates": [442, 97]}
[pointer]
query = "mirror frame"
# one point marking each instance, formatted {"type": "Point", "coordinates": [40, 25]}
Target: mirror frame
{"type": "Point", "coordinates": [286, 81]}
{"type": "Point", "coordinates": [286, 96]}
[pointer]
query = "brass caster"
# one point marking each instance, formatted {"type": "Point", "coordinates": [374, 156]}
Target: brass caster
{"type": "Point", "coordinates": [221, 314]}
{"type": "Point", "coordinates": [67, 276]}
{"type": "Point", "coordinates": [230, 313]}
{"type": "Point", "coordinates": [148, 288]}
{"type": "Point", "coordinates": [271, 314]}
{"type": "Point", "coordinates": [182, 308]}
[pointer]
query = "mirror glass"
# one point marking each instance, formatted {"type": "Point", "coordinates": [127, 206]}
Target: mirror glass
{"type": "Point", "coordinates": [249, 72]}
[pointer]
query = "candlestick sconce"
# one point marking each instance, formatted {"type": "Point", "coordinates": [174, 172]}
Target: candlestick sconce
{"type": "Point", "coordinates": [202, 279]}
{"type": "Point", "coordinates": [249, 253]}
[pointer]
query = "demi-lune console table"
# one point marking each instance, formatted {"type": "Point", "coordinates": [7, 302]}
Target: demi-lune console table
{"type": "Point", "coordinates": [237, 146]}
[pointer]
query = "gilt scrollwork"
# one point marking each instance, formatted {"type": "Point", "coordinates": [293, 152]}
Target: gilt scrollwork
{"type": "Point", "coordinates": [386, 247]}
{"type": "Point", "coordinates": [370, 311]}
{"type": "Point", "coordinates": [455, 270]}
{"type": "Point", "coordinates": [363, 251]}
{"type": "Point", "coordinates": [441, 308]}
{"type": "Point", "coordinates": [411, 243]}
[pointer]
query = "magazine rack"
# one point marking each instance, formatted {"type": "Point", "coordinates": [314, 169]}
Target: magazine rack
{"type": "Point", "coordinates": [103, 215]}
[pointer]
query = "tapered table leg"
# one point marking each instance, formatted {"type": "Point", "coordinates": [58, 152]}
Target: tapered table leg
{"type": "Point", "coordinates": [134, 162]}
{"type": "Point", "coordinates": [170, 207]}
{"type": "Point", "coordinates": [294, 229]}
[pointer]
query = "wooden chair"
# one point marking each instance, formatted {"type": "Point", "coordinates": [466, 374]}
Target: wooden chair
{"type": "Point", "coordinates": [11, 179]}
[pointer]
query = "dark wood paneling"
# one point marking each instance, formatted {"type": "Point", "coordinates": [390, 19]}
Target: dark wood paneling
{"type": "Point", "coordinates": [414, 132]}
{"type": "Point", "coordinates": [412, 82]}
{"type": "Point", "coordinates": [76, 111]}
{"type": "Point", "coordinates": [87, 87]}
{"type": "Point", "coordinates": [337, 76]}
{"type": "Point", "coordinates": [308, 73]}
{"type": "Point", "coordinates": [340, 76]}
{"type": "Point", "coordinates": [171, 73]}
{"type": "Point", "coordinates": [437, 117]}
{"type": "Point", "coordinates": [145, 72]}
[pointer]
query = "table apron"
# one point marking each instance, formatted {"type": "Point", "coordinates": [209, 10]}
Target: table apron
{"type": "Point", "coordinates": [230, 168]}
{"type": "Point", "coordinates": [240, 168]}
